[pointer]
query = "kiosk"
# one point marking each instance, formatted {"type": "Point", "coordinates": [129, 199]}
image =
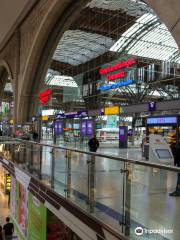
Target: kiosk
{"type": "Point", "coordinates": [159, 150]}
{"type": "Point", "coordinates": [123, 137]}
{"type": "Point", "coordinates": [166, 124]}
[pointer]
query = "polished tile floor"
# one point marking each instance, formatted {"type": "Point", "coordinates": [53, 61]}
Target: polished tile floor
{"type": "Point", "coordinates": [145, 191]}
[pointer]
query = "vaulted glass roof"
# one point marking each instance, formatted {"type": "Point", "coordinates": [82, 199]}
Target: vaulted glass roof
{"type": "Point", "coordinates": [77, 47]}
{"type": "Point", "coordinates": [148, 38]}
{"type": "Point", "coordinates": [131, 7]}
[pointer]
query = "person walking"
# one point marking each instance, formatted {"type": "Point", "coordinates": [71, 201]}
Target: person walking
{"type": "Point", "coordinates": [8, 229]}
{"type": "Point", "coordinates": [93, 144]}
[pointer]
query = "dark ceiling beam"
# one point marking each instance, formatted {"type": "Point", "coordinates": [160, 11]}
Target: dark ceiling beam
{"type": "Point", "coordinates": [105, 22]}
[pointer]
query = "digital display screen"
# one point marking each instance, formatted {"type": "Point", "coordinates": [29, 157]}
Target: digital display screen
{"type": "Point", "coordinates": [58, 128]}
{"type": "Point", "coordinates": [89, 128]}
{"type": "Point", "coordinates": [163, 153]}
{"type": "Point", "coordinates": [121, 134]}
{"type": "Point", "coordinates": [83, 128]}
{"type": "Point", "coordinates": [161, 120]}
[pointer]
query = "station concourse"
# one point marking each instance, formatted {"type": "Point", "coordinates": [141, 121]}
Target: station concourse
{"type": "Point", "coordinates": [90, 119]}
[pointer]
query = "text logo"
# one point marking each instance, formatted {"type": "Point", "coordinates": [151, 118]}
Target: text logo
{"type": "Point", "coordinates": [139, 231]}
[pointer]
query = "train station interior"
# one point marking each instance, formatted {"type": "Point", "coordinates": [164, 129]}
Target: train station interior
{"type": "Point", "coordinates": [89, 119]}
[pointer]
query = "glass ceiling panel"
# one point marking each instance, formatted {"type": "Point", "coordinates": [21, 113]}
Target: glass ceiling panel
{"type": "Point", "coordinates": [77, 47]}
{"type": "Point", "coordinates": [62, 81]}
{"type": "Point", "coordinates": [129, 6]}
{"type": "Point", "coordinates": [148, 38]}
{"type": "Point", "coordinates": [8, 87]}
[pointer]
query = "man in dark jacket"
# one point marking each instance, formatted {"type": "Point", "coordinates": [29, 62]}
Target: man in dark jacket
{"type": "Point", "coordinates": [93, 144]}
{"type": "Point", "coordinates": [8, 229]}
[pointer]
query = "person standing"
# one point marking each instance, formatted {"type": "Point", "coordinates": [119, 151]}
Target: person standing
{"type": "Point", "coordinates": [8, 229]}
{"type": "Point", "coordinates": [175, 148]}
{"type": "Point", "coordinates": [93, 144]}
{"type": "Point", "coordinates": [35, 136]}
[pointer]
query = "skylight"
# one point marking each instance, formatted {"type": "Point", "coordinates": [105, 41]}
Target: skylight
{"type": "Point", "coordinates": [147, 38]}
{"type": "Point", "coordinates": [62, 81]}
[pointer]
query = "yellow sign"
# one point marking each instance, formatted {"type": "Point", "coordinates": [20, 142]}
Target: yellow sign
{"type": "Point", "coordinates": [111, 110]}
{"type": "Point", "coordinates": [45, 118]}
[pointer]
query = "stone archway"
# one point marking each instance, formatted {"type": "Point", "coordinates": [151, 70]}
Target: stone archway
{"type": "Point", "coordinates": [6, 76]}
{"type": "Point", "coordinates": [57, 19]}
{"type": "Point", "coordinates": [169, 14]}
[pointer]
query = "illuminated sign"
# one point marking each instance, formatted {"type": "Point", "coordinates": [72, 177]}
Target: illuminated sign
{"type": "Point", "coordinates": [47, 112]}
{"type": "Point", "coordinates": [8, 183]}
{"type": "Point", "coordinates": [117, 66]}
{"type": "Point", "coordinates": [152, 106]}
{"type": "Point", "coordinates": [83, 128]}
{"type": "Point", "coordinates": [111, 110]}
{"type": "Point", "coordinates": [45, 118]}
{"type": "Point", "coordinates": [45, 96]}
{"type": "Point", "coordinates": [58, 128]}
{"type": "Point", "coordinates": [161, 120]}
{"type": "Point", "coordinates": [72, 114]}
{"type": "Point", "coordinates": [115, 76]}
{"type": "Point", "coordinates": [121, 74]}
{"type": "Point", "coordinates": [116, 85]}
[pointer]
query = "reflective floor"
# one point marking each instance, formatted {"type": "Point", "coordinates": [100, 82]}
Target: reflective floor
{"type": "Point", "coordinates": [146, 190]}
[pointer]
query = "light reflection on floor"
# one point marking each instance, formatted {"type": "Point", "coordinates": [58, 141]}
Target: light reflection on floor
{"type": "Point", "coordinates": [150, 204]}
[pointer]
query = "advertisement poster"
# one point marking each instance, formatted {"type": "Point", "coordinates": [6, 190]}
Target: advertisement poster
{"type": "Point", "coordinates": [58, 128]}
{"type": "Point", "coordinates": [111, 121]}
{"type": "Point", "coordinates": [23, 212]}
{"type": "Point", "coordinates": [13, 197]}
{"type": "Point", "coordinates": [83, 128]}
{"type": "Point", "coordinates": [36, 219]}
{"type": "Point", "coordinates": [89, 128]}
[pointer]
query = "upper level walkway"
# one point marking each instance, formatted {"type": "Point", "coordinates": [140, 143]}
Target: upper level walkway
{"type": "Point", "coordinates": [98, 196]}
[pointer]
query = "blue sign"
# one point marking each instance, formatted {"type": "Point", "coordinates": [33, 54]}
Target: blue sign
{"type": "Point", "coordinates": [151, 106]}
{"type": "Point", "coordinates": [116, 85]}
{"type": "Point", "coordinates": [72, 115]}
{"type": "Point", "coordinates": [58, 128]}
{"type": "Point", "coordinates": [83, 128]}
{"type": "Point", "coordinates": [161, 120]}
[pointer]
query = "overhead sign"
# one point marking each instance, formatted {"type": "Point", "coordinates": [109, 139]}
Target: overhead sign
{"type": "Point", "coordinates": [162, 121]}
{"type": "Point", "coordinates": [152, 106]}
{"type": "Point", "coordinates": [116, 85]}
{"type": "Point", "coordinates": [111, 110]}
{"type": "Point", "coordinates": [45, 96]}
{"type": "Point", "coordinates": [117, 66]}
{"type": "Point", "coordinates": [45, 118]}
{"type": "Point", "coordinates": [72, 115]}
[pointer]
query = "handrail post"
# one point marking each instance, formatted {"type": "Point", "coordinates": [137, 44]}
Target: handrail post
{"type": "Point", "coordinates": [40, 162]}
{"type": "Point", "coordinates": [68, 175]}
{"type": "Point", "coordinates": [127, 198]}
{"type": "Point", "coordinates": [91, 183]}
{"type": "Point", "coordinates": [126, 204]}
{"type": "Point", "coordinates": [52, 166]}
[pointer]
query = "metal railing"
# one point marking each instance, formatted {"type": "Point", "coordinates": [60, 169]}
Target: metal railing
{"type": "Point", "coordinates": [121, 193]}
